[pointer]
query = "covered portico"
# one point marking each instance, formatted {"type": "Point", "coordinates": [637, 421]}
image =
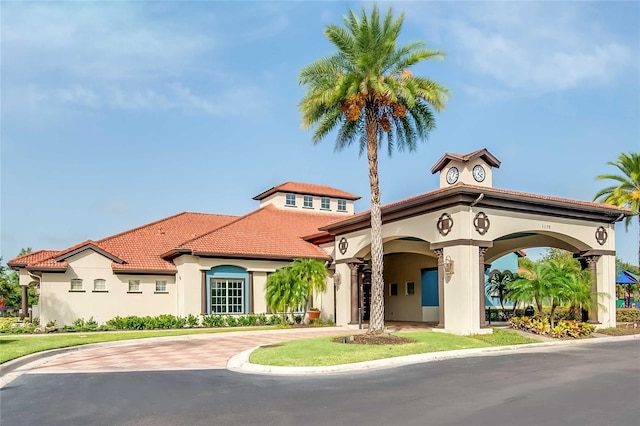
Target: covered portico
{"type": "Point", "coordinates": [437, 246]}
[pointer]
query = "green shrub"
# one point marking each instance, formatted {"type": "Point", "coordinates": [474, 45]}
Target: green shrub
{"type": "Point", "coordinates": [231, 321]}
{"type": "Point", "coordinates": [275, 320]}
{"type": "Point", "coordinates": [627, 314]}
{"type": "Point", "coordinates": [213, 320]}
{"type": "Point", "coordinates": [261, 319]}
{"type": "Point", "coordinates": [193, 321]}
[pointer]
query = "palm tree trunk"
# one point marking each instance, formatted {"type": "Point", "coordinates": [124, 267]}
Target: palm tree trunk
{"type": "Point", "coordinates": [638, 240]}
{"type": "Point", "coordinates": [376, 319]}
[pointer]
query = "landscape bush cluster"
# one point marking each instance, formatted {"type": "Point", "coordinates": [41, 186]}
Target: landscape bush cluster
{"type": "Point", "coordinates": [627, 315]}
{"type": "Point", "coordinates": [562, 329]}
{"type": "Point", "coordinates": [13, 325]}
{"type": "Point", "coordinates": [559, 314]}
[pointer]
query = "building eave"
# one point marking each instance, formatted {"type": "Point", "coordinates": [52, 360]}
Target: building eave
{"type": "Point", "coordinates": [142, 271]}
{"type": "Point", "coordinates": [493, 198]}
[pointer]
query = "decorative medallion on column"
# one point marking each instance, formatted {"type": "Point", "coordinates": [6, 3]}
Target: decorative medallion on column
{"type": "Point", "coordinates": [481, 222]}
{"type": "Point", "coordinates": [445, 223]}
{"type": "Point", "coordinates": [343, 245]}
{"type": "Point", "coordinates": [601, 235]}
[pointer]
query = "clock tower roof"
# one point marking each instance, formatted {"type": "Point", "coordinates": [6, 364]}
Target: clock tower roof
{"type": "Point", "coordinates": [483, 154]}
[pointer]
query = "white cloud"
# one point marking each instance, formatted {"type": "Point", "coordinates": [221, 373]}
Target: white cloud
{"type": "Point", "coordinates": [129, 56]}
{"type": "Point", "coordinates": [77, 96]}
{"type": "Point", "coordinates": [95, 41]}
{"type": "Point", "coordinates": [177, 96]}
{"type": "Point", "coordinates": [527, 48]}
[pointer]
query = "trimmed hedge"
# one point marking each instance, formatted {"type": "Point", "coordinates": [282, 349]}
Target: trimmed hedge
{"type": "Point", "coordinates": [559, 315]}
{"type": "Point", "coordinates": [627, 314]}
{"type": "Point", "coordinates": [192, 321]}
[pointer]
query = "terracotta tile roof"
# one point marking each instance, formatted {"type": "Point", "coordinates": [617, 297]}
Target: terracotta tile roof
{"type": "Point", "coordinates": [32, 258]}
{"type": "Point", "coordinates": [140, 248]}
{"type": "Point", "coordinates": [309, 189]}
{"type": "Point", "coordinates": [266, 233]}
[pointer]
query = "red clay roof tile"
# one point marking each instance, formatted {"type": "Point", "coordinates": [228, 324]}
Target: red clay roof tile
{"type": "Point", "coordinates": [140, 248]}
{"type": "Point", "coordinates": [266, 233]}
{"type": "Point", "coordinates": [309, 189]}
{"type": "Point", "coordinates": [32, 258]}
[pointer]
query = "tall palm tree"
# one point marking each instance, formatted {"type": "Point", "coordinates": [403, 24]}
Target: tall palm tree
{"type": "Point", "coordinates": [367, 92]}
{"type": "Point", "coordinates": [627, 192]}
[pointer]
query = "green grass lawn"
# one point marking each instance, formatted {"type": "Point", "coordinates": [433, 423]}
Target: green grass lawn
{"type": "Point", "coordinates": [322, 351]}
{"type": "Point", "coordinates": [16, 345]}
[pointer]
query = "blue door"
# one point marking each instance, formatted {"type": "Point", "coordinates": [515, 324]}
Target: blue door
{"type": "Point", "coordinates": [430, 287]}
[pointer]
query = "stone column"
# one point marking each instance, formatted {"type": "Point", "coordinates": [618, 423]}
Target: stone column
{"type": "Point", "coordinates": [592, 267]}
{"type": "Point", "coordinates": [25, 302]}
{"type": "Point", "coordinates": [440, 254]}
{"type": "Point", "coordinates": [354, 292]}
{"type": "Point", "coordinates": [481, 266]}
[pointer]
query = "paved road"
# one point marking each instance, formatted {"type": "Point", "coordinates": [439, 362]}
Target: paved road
{"type": "Point", "coordinates": [597, 384]}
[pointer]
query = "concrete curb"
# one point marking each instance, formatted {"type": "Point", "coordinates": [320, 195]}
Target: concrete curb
{"type": "Point", "coordinates": [240, 362]}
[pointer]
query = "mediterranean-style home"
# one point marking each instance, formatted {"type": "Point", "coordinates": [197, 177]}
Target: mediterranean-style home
{"type": "Point", "coordinates": [437, 248]}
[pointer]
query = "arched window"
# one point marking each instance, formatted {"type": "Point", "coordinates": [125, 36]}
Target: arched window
{"type": "Point", "coordinates": [227, 290]}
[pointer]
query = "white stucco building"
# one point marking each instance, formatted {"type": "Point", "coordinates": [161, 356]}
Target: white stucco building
{"type": "Point", "coordinates": [437, 246]}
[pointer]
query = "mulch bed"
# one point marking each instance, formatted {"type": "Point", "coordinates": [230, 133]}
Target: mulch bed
{"type": "Point", "coordinates": [373, 339]}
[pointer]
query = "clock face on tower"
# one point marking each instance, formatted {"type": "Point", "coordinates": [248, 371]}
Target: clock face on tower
{"type": "Point", "coordinates": [452, 175]}
{"type": "Point", "coordinates": [478, 173]}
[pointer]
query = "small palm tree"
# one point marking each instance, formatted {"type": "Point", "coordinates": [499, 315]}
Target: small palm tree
{"type": "Point", "coordinates": [498, 282]}
{"type": "Point", "coordinates": [285, 293]}
{"type": "Point", "coordinates": [311, 273]}
{"type": "Point", "coordinates": [530, 286]}
{"type": "Point", "coordinates": [367, 92]}
{"type": "Point", "coordinates": [627, 192]}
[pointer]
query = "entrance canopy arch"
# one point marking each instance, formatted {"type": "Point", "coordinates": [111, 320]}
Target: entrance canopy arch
{"type": "Point", "coordinates": [399, 244]}
{"type": "Point", "coordinates": [529, 238]}
{"type": "Point", "coordinates": [467, 223]}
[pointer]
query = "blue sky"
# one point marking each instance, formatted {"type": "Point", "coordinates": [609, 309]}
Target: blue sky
{"type": "Point", "coordinates": [115, 114]}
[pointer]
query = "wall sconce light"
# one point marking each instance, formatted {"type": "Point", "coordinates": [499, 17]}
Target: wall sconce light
{"type": "Point", "coordinates": [448, 267]}
{"type": "Point", "coordinates": [336, 278]}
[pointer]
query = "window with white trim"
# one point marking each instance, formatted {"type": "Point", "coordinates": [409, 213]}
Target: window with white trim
{"type": "Point", "coordinates": [290, 200]}
{"type": "Point", "coordinates": [342, 205]}
{"type": "Point", "coordinates": [76, 284]}
{"type": "Point", "coordinates": [134, 286]}
{"type": "Point", "coordinates": [161, 286]}
{"type": "Point", "coordinates": [227, 295]}
{"type": "Point", "coordinates": [99, 284]}
{"type": "Point", "coordinates": [308, 201]}
{"type": "Point", "coordinates": [325, 203]}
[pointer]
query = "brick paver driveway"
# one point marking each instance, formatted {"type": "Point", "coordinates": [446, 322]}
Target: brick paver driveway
{"type": "Point", "coordinates": [191, 352]}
